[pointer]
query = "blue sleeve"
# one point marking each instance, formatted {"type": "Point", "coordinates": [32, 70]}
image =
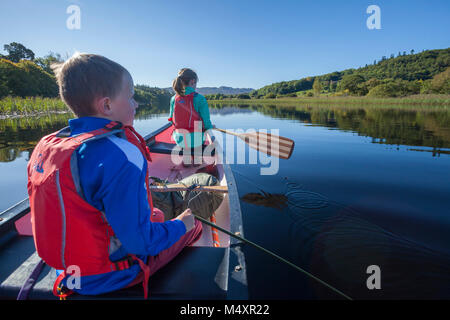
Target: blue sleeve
{"type": "Point", "coordinates": [112, 174]}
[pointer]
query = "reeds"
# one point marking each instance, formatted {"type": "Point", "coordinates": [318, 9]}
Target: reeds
{"type": "Point", "coordinates": [10, 106]}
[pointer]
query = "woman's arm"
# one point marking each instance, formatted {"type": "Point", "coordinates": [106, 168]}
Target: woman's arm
{"type": "Point", "coordinates": [172, 101]}
{"type": "Point", "coordinates": [203, 110]}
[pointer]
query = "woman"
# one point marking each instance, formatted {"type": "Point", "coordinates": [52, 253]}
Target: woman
{"type": "Point", "coordinates": [189, 113]}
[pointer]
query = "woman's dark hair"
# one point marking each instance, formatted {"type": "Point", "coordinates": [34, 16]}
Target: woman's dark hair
{"type": "Point", "coordinates": [185, 75]}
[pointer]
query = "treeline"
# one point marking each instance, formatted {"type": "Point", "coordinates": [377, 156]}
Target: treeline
{"type": "Point", "coordinates": [24, 75]}
{"type": "Point", "coordinates": [406, 74]}
{"type": "Point", "coordinates": [147, 96]}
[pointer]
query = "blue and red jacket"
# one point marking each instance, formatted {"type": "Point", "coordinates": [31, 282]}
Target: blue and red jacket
{"type": "Point", "coordinates": [111, 183]}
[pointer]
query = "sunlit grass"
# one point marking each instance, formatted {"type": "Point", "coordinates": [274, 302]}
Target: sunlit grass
{"type": "Point", "coordinates": [31, 105]}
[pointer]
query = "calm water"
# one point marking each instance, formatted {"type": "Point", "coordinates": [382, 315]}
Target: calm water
{"type": "Point", "coordinates": [364, 186]}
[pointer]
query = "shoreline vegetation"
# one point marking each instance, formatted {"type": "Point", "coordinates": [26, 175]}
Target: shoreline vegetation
{"type": "Point", "coordinates": [417, 80]}
{"type": "Point", "coordinates": [424, 100]}
{"type": "Point", "coordinates": [11, 107]}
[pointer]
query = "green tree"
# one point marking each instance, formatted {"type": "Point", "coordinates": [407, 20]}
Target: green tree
{"type": "Point", "coordinates": [383, 90]}
{"type": "Point", "coordinates": [371, 83]}
{"type": "Point", "coordinates": [352, 83]}
{"type": "Point", "coordinates": [243, 96]}
{"type": "Point", "coordinates": [17, 51]}
{"type": "Point", "coordinates": [26, 79]}
{"type": "Point", "coordinates": [45, 62]}
{"type": "Point", "coordinates": [441, 82]}
{"type": "Point", "coordinates": [317, 86]}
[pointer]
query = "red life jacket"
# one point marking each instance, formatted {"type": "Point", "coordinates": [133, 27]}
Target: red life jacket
{"type": "Point", "coordinates": [68, 230]}
{"type": "Point", "coordinates": [184, 114]}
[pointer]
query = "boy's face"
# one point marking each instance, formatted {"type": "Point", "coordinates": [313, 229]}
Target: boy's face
{"type": "Point", "coordinates": [123, 106]}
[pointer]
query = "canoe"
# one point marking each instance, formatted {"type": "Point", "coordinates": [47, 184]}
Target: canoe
{"type": "Point", "coordinates": [202, 271]}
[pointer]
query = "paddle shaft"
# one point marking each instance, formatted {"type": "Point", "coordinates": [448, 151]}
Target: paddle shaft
{"type": "Point", "coordinates": [270, 253]}
{"type": "Point", "coordinates": [227, 132]}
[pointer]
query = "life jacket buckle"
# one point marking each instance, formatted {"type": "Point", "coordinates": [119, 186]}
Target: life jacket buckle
{"type": "Point", "coordinates": [113, 125]}
{"type": "Point", "coordinates": [124, 263]}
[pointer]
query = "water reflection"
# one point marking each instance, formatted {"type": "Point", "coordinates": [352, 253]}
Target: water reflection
{"type": "Point", "coordinates": [413, 127]}
{"type": "Point", "coordinates": [20, 135]}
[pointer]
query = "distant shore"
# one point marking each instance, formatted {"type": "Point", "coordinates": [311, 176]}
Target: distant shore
{"type": "Point", "coordinates": [415, 100]}
{"type": "Point", "coordinates": [14, 107]}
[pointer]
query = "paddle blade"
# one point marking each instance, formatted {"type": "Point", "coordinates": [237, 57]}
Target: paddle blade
{"type": "Point", "coordinates": [270, 144]}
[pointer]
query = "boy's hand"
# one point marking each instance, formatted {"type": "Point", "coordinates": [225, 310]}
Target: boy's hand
{"type": "Point", "coordinates": [188, 219]}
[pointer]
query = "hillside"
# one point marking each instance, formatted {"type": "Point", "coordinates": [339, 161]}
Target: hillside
{"type": "Point", "coordinates": [425, 72]}
{"type": "Point", "coordinates": [151, 97]}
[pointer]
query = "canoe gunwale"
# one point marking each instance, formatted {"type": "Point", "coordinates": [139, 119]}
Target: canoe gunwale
{"type": "Point", "coordinates": [12, 214]}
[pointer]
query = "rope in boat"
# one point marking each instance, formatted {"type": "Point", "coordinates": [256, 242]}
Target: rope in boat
{"type": "Point", "coordinates": [263, 249]}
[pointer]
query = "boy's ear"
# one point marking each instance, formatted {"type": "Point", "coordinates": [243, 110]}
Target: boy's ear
{"type": "Point", "coordinates": [103, 106]}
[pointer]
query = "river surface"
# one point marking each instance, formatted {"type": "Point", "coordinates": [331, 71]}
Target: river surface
{"type": "Point", "coordinates": [365, 186]}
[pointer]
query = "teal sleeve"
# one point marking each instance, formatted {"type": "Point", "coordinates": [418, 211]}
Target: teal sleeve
{"type": "Point", "coordinates": [172, 101]}
{"type": "Point", "coordinates": [202, 108]}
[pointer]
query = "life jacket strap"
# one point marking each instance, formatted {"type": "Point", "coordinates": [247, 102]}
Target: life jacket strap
{"type": "Point", "coordinates": [113, 125]}
{"type": "Point", "coordinates": [146, 269]}
{"type": "Point", "coordinates": [142, 142]}
{"type": "Point", "coordinates": [59, 290]}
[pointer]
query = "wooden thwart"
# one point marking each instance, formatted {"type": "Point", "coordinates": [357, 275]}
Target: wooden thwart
{"type": "Point", "coordinates": [182, 187]}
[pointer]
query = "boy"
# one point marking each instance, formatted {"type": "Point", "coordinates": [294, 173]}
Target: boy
{"type": "Point", "coordinates": [88, 187]}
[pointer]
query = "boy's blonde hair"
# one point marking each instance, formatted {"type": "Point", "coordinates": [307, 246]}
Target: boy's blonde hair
{"type": "Point", "coordinates": [86, 77]}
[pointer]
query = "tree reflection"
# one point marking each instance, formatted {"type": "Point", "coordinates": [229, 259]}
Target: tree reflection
{"type": "Point", "coordinates": [394, 126]}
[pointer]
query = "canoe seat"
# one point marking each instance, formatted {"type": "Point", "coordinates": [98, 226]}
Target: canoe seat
{"type": "Point", "coordinates": [193, 274]}
{"type": "Point", "coordinates": [167, 148]}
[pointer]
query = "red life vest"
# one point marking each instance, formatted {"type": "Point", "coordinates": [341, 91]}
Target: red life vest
{"type": "Point", "coordinates": [184, 114]}
{"type": "Point", "coordinates": [68, 230]}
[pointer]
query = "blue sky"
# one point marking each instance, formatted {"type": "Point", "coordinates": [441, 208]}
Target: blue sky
{"type": "Point", "coordinates": [237, 43]}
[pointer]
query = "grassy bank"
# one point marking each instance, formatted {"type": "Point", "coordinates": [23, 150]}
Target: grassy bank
{"type": "Point", "coordinates": [12, 106]}
{"type": "Point", "coordinates": [415, 100]}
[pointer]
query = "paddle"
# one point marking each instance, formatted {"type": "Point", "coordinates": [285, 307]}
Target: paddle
{"type": "Point", "coordinates": [270, 144]}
